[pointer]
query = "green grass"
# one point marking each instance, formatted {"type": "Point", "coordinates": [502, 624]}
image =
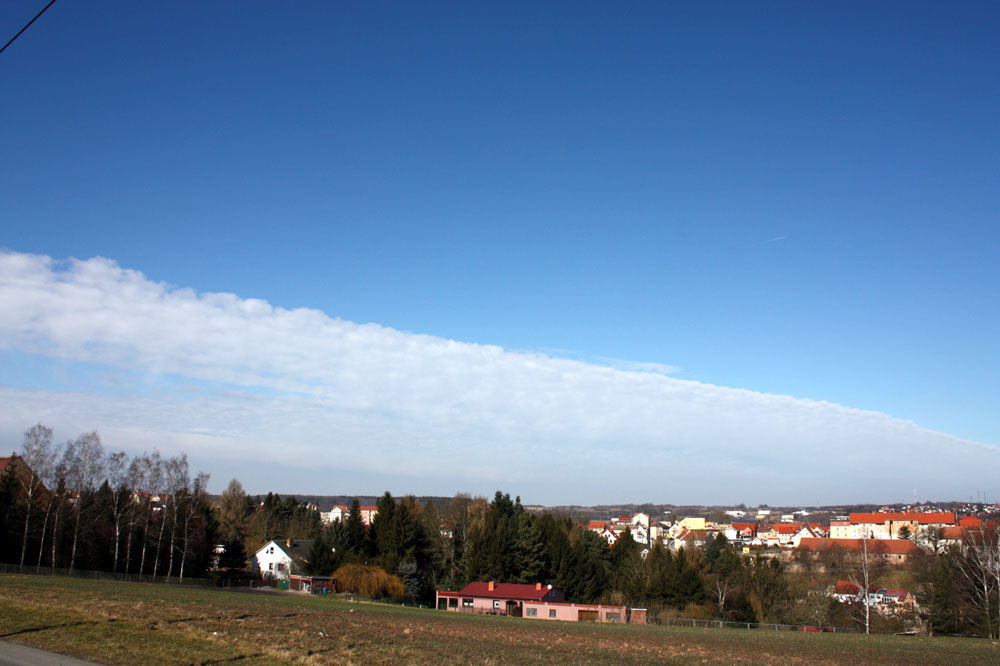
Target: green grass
{"type": "Point", "coordinates": [128, 623]}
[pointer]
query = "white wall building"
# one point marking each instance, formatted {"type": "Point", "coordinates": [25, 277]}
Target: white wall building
{"type": "Point", "coordinates": [278, 560]}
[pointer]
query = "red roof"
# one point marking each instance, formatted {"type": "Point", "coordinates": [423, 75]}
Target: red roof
{"type": "Point", "coordinates": [940, 518]}
{"type": "Point", "coordinates": [745, 526]}
{"type": "Point", "coordinates": [787, 528]}
{"type": "Point", "coordinates": [875, 546]}
{"type": "Point", "coordinates": [506, 591]}
{"type": "Point", "coordinates": [970, 521]}
{"type": "Point", "coordinates": [952, 532]}
{"type": "Point", "coordinates": [596, 525]}
{"type": "Point", "coordinates": [846, 587]}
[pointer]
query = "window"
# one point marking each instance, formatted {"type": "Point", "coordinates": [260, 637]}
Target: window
{"type": "Point", "coordinates": [270, 566]}
{"type": "Point", "coordinates": [531, 612]}
{"type": "Point", "coordinates": [467, 603]}
{"type": "Point", "coordinates": [552, 612]}
{"type": "Point", "coordinates": [496, 603]}
{"type": "Point", "coordinates": [453, 603]}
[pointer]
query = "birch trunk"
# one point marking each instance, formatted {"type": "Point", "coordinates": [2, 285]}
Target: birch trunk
{"type": "Point", "coordinates": [41, 543]}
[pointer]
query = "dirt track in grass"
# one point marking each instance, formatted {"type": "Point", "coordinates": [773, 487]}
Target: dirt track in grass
{"type": "Point", "coordinates": [128, 623]}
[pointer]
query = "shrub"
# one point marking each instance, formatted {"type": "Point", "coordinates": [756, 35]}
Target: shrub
{"type": "Point", "coordinates": [368, 581]}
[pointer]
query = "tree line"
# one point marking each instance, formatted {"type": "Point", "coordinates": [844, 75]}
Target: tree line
{"type": "Point", "coordinates": [76, 506]}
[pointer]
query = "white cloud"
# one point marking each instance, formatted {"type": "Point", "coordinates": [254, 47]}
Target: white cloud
{"type": "Point", "coordinates": [640, 366]}
{"type": "Point", "coordinates": [329, 402]}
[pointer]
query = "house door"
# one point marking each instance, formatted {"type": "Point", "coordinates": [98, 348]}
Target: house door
{"type": "Point", "coordinates": [513, 609]}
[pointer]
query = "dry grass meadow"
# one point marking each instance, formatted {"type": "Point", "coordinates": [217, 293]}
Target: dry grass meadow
{"type": "Point", "coordinates": [130, 623]}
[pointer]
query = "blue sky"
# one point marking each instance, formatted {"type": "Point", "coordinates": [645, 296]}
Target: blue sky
{"type": "Point", "coordinates": [786, 199]}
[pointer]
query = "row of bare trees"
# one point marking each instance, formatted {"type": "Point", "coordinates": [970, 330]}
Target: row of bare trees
{"type": "Point", "coordinates": [979, 564]}
{"type": "Point", "coordinates": [146, 510]}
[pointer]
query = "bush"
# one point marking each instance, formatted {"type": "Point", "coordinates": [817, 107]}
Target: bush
{"type": "Point", "coordinates": [699, 611]}
{"type": "Point", "coordinates": [369, 581]}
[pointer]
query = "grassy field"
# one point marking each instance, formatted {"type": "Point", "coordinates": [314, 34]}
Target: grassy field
{"type": "Point", "coordinates": [129, 623]}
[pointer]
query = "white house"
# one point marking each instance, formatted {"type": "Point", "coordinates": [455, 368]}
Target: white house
{"type": "Point", "coordinates": [278, 560]}
{"type": "Point", "coordinates": [640, 534]}
{"type": "Point", "coordinates": [340, 512]}
{"type": "Point", "coordinates": [335, 515]}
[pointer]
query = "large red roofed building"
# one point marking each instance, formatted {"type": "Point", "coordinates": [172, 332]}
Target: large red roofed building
{"type": "Point", "coordinates": [887, 525]}
{"type": "Point", "coordinates": [893, 551]}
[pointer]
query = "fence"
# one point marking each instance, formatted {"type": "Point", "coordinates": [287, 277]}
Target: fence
{"type": "Point", "coordinates": [723, 624]}
{"type": "Point", "coordinates": [105, 575]}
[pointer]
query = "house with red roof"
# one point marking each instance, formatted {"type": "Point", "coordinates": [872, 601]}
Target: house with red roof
{"type": "Point", "coordinates": [807, 531]}
{"type": "Point", "coordinates": [885, 600]}
{"type": "Point", "coordinates": [780, 534]}
{"type": "Point", "coordinates": [741, 532]}
{"type": "Point", "coordinates": [538, 601]}
{"type": "Point", "coordinates": [497, 598]}
{"type": "Point", "coordinates": [336, 514]}
{"type": "Point", "coordinates": [609, 535]}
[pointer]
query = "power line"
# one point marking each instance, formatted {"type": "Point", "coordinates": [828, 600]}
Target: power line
{"type": "Point", "coordinates": [51, 2]}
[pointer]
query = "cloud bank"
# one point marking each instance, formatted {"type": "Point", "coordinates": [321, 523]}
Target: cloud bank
{"type": "Point", "coordinates": [297, 401]}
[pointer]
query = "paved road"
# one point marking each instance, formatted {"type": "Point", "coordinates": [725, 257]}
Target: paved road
{"type": "Point", "coordinates": [12, 654]}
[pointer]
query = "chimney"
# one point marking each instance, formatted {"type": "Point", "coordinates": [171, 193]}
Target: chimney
{"type": "Point", "coordinates": [538, 586]}
{"type": "Point", "coordinates": [492, 586]}
{"type": "Point", "coordinates": [288, 542]}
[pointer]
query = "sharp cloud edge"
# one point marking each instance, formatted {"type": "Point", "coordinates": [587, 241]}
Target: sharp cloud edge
{"type": "Point", "coordinates": [297, 385]}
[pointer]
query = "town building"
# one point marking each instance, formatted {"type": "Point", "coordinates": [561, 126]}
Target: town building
{"type": "Point", "coordinates": [887, 525]}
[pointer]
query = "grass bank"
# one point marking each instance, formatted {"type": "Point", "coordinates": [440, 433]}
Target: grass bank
{"type": "Point", "coordinates": [132, 623]}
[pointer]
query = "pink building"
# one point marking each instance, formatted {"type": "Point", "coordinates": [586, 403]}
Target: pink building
{"type": "Point", "coordinates": [496, 598]}
{"type": "Point", "coordinates": [542, 602]}
{"type": "Point", "coordinates": [575, 612]}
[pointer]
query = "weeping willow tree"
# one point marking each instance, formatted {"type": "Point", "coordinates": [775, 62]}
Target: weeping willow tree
{"type": "Point", "coordinates": [368, 581]}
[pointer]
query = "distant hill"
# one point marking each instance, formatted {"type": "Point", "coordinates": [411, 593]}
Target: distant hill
{"type": "Point", "coordinates": [326, 502]}
{"type": "Point", "coordinates": [582, 514]}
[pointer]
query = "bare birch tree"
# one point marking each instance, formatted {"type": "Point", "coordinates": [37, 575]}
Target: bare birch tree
{"type": "Point", "coordinates": [53, 477]}
{"type": "Point", "coordinates": [117, 468]}
{"type": "Point", "coordinates": [62, 483]}
{"type": "Point", "coordinates": [136, 476]}
{"type": "Point", "coordinates": [36, 452]}
{"type": "Point", "coordinates": [980, 566]}
{"type": "Point", "coordinates": [156, 476]}
{"type": "Point", "coordinates": [864, 567]}
{"type": "Point", "coordinates": [178, 478]}
{"type": "Point", "coordinates": [192, 508]}
{"type": "Point", "coordinates": [87, 466]}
